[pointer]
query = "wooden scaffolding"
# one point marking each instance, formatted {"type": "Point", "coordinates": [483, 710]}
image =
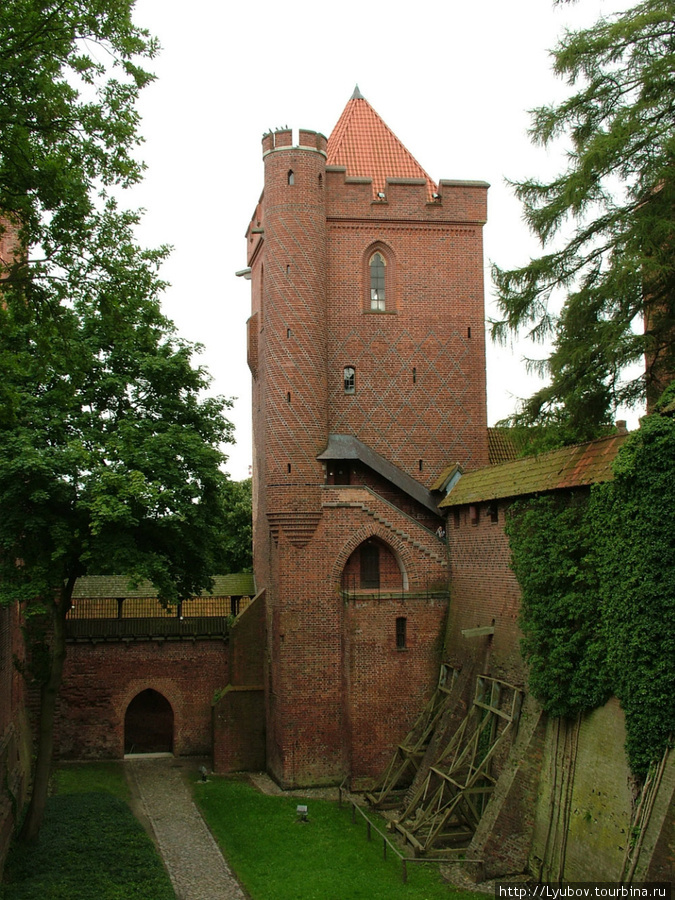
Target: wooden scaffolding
{"type": "Point", "coordinates": [389, 791]}
{"type": "Point", "coordinates": [444, 811]}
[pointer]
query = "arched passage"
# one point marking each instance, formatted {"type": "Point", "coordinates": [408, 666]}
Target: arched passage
{"type": "Point", "coordinates": [148, 724]}
{"type": "Point", "coordinates": [372, 566]}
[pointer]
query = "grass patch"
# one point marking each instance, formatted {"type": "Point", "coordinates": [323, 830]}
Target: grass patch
{"type": "Point", "coordinates": [277, 858]}
{"type": "Point", "coordinates": [91, 847]}
{"type": "Point", "coordinates": [93, 777]}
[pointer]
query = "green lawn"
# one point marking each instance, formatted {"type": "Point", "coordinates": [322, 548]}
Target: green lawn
{"type": "Point", "coordinates": [277, 858]}
{"type": "Point", "coordinates": [91, 846]}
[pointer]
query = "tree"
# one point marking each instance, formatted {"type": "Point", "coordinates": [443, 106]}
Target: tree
{"type": "Point", "coordinates": [238, 534]}
{"type": "Point", "coordinates": [110, 458]}
{"type": "Point", "coordinates": [608, 223]}
{"type": "Point", "coordinates": [69, 81]}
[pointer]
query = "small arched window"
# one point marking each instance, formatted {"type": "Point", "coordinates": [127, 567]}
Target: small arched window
{"type": "Point", "coordinates": [291, 176]}
{"type": "Point", "coordinates": [377, 282]}
{"type": "Point", "coordinates": [350, 379]}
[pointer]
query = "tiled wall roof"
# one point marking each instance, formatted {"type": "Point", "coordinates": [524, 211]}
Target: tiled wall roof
{"type": "Point", "coordinates": [570, 467]}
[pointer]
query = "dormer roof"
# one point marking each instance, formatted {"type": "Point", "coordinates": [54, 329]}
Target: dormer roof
{"type": "Point", "coordinates": [365, 145]}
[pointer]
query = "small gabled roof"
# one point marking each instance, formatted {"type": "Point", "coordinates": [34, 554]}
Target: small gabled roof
{"type": "Point", "coordinates": [346, 446]}
{"type": "Point", "coordinates": [569, 467]}
{"type": "Point", "coordinates": [365, 145]}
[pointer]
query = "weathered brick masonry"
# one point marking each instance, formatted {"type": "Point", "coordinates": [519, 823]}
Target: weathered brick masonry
{"type": "Point", "coordinates": [367, 387]}
{"type": "Point", "coordinates": [485, 593]}
{"type": "Point", "coordinates": [100, 680]}
{"type": "Point", "coordinates": [367, 352]}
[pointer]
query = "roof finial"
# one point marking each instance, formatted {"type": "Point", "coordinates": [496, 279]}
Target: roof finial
{"type": "Point", "coordinates": [357, 95]}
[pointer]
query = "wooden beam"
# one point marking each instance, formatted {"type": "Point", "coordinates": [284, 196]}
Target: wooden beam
{"type": "Point", "coordinates": [478, 632]}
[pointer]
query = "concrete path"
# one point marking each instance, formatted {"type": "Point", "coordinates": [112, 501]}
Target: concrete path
{"type": "Point", "coordinates": [191, 855]}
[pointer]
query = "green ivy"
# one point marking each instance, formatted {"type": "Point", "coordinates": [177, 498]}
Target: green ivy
{"type": "Point", "coordinates": [562, 644]}
{"type": "Point", "coordinates": [634, 543]}
{"type": "Point", "coordinates": [598, 591]}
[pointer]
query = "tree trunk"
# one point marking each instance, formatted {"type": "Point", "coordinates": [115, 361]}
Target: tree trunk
{"type": "Point", "coordinates": [49, 692]}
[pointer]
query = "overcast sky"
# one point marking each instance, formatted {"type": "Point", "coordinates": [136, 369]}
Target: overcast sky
{"type": "Point", "coordinates": [454, 81]}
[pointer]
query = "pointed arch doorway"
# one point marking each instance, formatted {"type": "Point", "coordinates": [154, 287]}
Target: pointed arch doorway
{"type": "Point", "coordinates": [148, 724]}
{"type": "Point", "coordinates": [373, 567]}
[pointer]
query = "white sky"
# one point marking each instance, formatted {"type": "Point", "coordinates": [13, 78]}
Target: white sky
{"type": "Point", "coordinates": [454, 81]}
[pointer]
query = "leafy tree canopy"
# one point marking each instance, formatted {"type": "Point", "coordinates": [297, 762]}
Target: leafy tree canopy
{"type": "Point", "coordinates": [607, 223]}
{"type": "Point", "coordinates": [70, 75]}
{"type": "Point", "coordinates": [109, 452]}
{"type": "Point", "coordinates": [238, 534]}
{"type": "Point", "coordinates": [110, 458]}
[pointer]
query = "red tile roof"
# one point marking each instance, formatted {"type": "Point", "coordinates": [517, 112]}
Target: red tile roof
{"type": "Point", "coordinates": [367, 147]}
{"type": "Point", "coordinates": [570, 467]}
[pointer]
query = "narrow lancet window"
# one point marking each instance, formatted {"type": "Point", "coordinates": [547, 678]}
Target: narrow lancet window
{"type": "Point", "coordinates": [401, 633]}
{"type": "Point", "coordinates": [350, 379]}
{"type": "Point", "coordinates": [377, 282]}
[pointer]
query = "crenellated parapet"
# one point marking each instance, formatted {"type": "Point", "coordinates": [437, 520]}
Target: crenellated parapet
{"type": "Point", "coordinates": [456, 202]}
{"type": "Point", "coordinates": [283, 140]}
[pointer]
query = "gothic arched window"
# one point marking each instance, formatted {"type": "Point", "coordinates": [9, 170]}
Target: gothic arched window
{"type": "Point", "coordinates": [377, 282]}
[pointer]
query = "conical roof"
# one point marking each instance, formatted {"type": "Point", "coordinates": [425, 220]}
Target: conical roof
{"type": "Point", "coordinates": [365, 145]}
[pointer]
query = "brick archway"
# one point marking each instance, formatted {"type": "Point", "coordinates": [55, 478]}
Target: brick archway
{"type": "Point", "coordinates": [149, 724]}
{"type": "Point", "coordinates": [397, 548]}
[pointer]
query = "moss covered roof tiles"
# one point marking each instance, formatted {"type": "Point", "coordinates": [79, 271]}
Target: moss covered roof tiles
{"type": "Point", "coordinates": [569, 467]}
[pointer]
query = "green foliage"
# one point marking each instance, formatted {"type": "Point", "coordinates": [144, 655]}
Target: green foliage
{"type": "Point", "coordinates": [634, 553]}
{"type": "Point", "coordinates": [326, 859]}
{"type": "Point", "coordinates": [109, 453]}
{"type": "Point", "coordinates": [110, 450]}
{"type": "Point", "coordinates": [562, 643]}
{"type": "Point", "coordinates": [598, 581]}
{"type": "Point", "coordinates": [91, 847]}
{"type": "Point", "coordinates": [607, 222]}
{"type": "Point", "coordinates": [70, 73]}
{"type": "Point", "coordinates": [238, 527]}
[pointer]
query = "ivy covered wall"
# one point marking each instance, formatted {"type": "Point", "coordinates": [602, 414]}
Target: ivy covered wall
{"type": "Point", "coordinates": [597, 572]}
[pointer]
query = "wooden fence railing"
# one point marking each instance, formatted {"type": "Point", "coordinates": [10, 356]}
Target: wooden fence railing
{"type": "Point", "coordinates": [150, 628]}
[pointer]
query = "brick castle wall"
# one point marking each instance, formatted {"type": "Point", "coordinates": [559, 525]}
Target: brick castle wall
{"type": "Point", "coordinates": [101, 680]}
{"type": "Point", "coordinates": [485, 592]}
{"type": "Point", "coordinates": [239, 711]}
{"type": "Point", "coordinates": [387, 686]}
{"type": "Point", "coordinates": [419, 399]}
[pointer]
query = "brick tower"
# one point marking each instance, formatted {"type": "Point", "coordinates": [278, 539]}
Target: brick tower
{"type": "Point", "coordinates": [366, 346]}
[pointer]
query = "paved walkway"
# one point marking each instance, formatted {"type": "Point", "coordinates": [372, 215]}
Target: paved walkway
{"type": "Point", "coordinates": [191, 855]}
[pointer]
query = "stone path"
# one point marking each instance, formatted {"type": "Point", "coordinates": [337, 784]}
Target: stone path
{"type": "Point", "coordinates": [191, 855]}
